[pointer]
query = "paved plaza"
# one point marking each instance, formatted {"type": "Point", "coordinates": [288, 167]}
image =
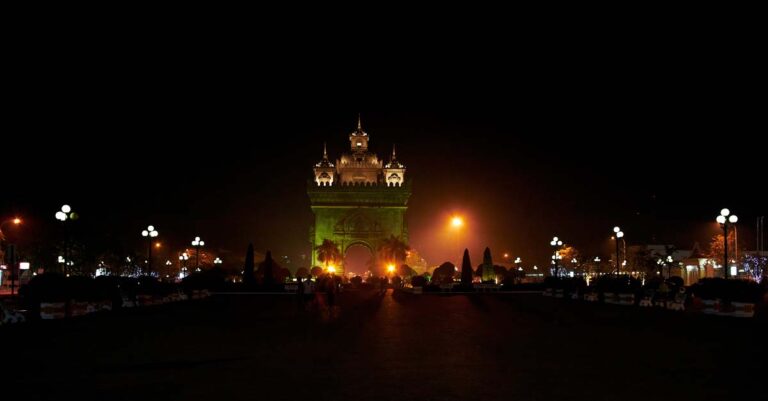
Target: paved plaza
{"type": "Point", "coordinates": [394, 346]}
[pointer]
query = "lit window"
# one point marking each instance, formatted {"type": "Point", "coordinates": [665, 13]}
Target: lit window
{"type": "Point", "coordinates": [359, 144]}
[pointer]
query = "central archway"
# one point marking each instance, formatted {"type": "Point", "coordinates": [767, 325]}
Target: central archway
{"type": "Point", "coordinates": [359, 258]}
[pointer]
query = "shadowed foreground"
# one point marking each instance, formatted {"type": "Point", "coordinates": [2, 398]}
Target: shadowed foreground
{"type": "Point", "coordinates": [391, 347]}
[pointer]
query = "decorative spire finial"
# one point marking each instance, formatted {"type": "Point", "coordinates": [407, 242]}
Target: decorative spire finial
{"type": "Point", "coordinates": [394, 156]}
{"type": "Point", "coordinates": [325, 151]}
{"type": "Point", "coordinates": [359, 124]}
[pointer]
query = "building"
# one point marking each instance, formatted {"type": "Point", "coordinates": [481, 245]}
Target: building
{"type": "Point", "coordinates": [359, 200]}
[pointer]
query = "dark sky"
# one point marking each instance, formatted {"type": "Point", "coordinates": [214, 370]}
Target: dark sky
{"type": "Point", "coordinates": [660, 167]}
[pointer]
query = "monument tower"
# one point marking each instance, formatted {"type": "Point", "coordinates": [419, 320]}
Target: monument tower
{"type": "Point", "coordinates": [359, 200]}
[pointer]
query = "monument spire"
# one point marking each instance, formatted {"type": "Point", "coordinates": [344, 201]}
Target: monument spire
{"type": "Point", "coordinates": [359, 123]}
{"type": "Point", "coordinates": [325, 151]}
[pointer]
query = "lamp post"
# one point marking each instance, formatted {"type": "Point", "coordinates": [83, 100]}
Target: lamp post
{"type": "Point", "coordinates": [149, 233]}
{"type": "Point", "coordinates": [15, 221]}
{"type": "Point", "coordinates": [618, 234]}
{"type": "Point", "coordinates": [726, 219]}
{"type": "Point", "coordinates": [168, 265]}
{"type": "Point", "coordinates": [597, 266]}
{"type": "Point", "coordinates": [556, 244]}
{"type": "Point", "coordinates": [64, 215]}
{"type": "Point", "coordinates": [197, 243]}
{"type": "Point", "coordinates": [456, 224]}
{"type": "Point", "coordinates": [217, 262]}
{"type": "Point", "coordinates": [183, 262]}
{"type": "Point", "coordinates": [666, 262]}
{"type": "Point", "coordinates": [10, 252]}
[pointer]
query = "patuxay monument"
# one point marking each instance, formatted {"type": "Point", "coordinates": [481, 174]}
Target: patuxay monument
{"type": "Point", "coordinates": [359, 200]}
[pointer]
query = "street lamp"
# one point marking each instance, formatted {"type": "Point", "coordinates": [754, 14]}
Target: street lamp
{"type": "Point", "coordinates": [197, 243]}
{"type": "Point", "coordinates": [9, 251]}
{"type": "Point", "coordinates": [183, 261]}
{"type": "Point", "coordinates": [168, 265]}
{"type": "Point", "coordinates": [15, 221]}
{"type": "Point", "coordinates": [456, 223]}
{"type": "Point", "coordinates": [217, 261]}
{"type": "Point", "coordinates": [556, 244]}
{"type": "Point", "coordinates": [618, 235]}
{"type": "Point", "coordinates": [64, 215]}
{"type": "Point", "coordinates": [726, 219]}
{"type": "Point", "coordinates": [149, 233]}
{"type": "Point", "coordinates": [597, 265]}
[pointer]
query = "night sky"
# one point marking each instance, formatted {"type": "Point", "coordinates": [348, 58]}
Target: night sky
{"type": "Point", "coordinates": [233, 174]}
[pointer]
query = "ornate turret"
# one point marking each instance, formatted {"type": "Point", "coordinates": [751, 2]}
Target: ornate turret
{"type": "Point", "coordinates": [360, 166]}
{"type": "Point", "coordinates": [324, 170]}
{"type": "Point", "coordinates": [394, 171]}
{"type": "Point", "coordinates": [358, 140]}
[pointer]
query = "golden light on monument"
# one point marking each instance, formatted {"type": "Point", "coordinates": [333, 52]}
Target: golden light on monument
{"type": "Point", "coordinates": [457, 221]}
{"type": "Point", "coordinates": [331, 269]}
{"type": "Point", "coordinates": [391, 268]}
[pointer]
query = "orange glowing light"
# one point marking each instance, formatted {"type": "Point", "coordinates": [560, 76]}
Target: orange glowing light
{"type": "Point", "coordinates": [17, 221]}
{"type": "Point", "coordinates": [391, 268]}
{"type": "Point", "coordinates": [457, 221]}
{"type": "Point", "coordinates": [331, 269]}
{"type": "Point", "coordinates": [157, 245]}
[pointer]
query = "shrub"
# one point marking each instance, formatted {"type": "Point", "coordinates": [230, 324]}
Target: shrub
{"type": "Point", "coordinates": [418, 281]}
{"type": "Point", "coordinates": [727, 290]}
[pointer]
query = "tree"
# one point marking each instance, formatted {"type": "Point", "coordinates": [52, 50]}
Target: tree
{"type": "Point", "coordinates": [486, 269]}
{"type": "Point", "coordinates": [328, 252]}
{"type": "Point", "coordinates": [466, 269]}
{"type": "Point", "coordinates": [444, 273]}
{"type": "Point", "coordinates": [267, 270]}
{"type": "Point", "coordinates": [415, 260]}
{"type": "Point", "coordinates": [641, 259]}
{"type": "Point", "coordinates": [668, 259]}
{"type": "Point", "coordinates": [418, 281]}
{"type": "Point", "coordinates": [248, 277]}
{"type": "Point", "coordinates": [302, 272]}
{"type": "Point", "coordinates": [757, 266]}
{"type": "Point", "coordinates": [568, 254]}
{"type": "Point", "coordinates": [316, 271]}
{"type": "Point", "coordinates": [393, 250]}
{"type": "Point", "coordinates": [282, 274]}
{"type": "Point", "coordinates": [717, 250]}
{"type": "Point", "coordinates": [406, 271]}
{"type": "Point", "coordinates": [500, 272]}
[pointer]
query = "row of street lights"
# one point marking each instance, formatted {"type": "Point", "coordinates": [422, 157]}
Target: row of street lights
{"type": "Point", "coordinates": [66, 214]}
{"type": "Point", "coordinates": [725, 219]}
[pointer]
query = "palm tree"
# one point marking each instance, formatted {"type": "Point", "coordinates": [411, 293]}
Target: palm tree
{"type": "Point", "coordinates": [328, 252]}
{"type": "Point", "coordinates": [393, 250]}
